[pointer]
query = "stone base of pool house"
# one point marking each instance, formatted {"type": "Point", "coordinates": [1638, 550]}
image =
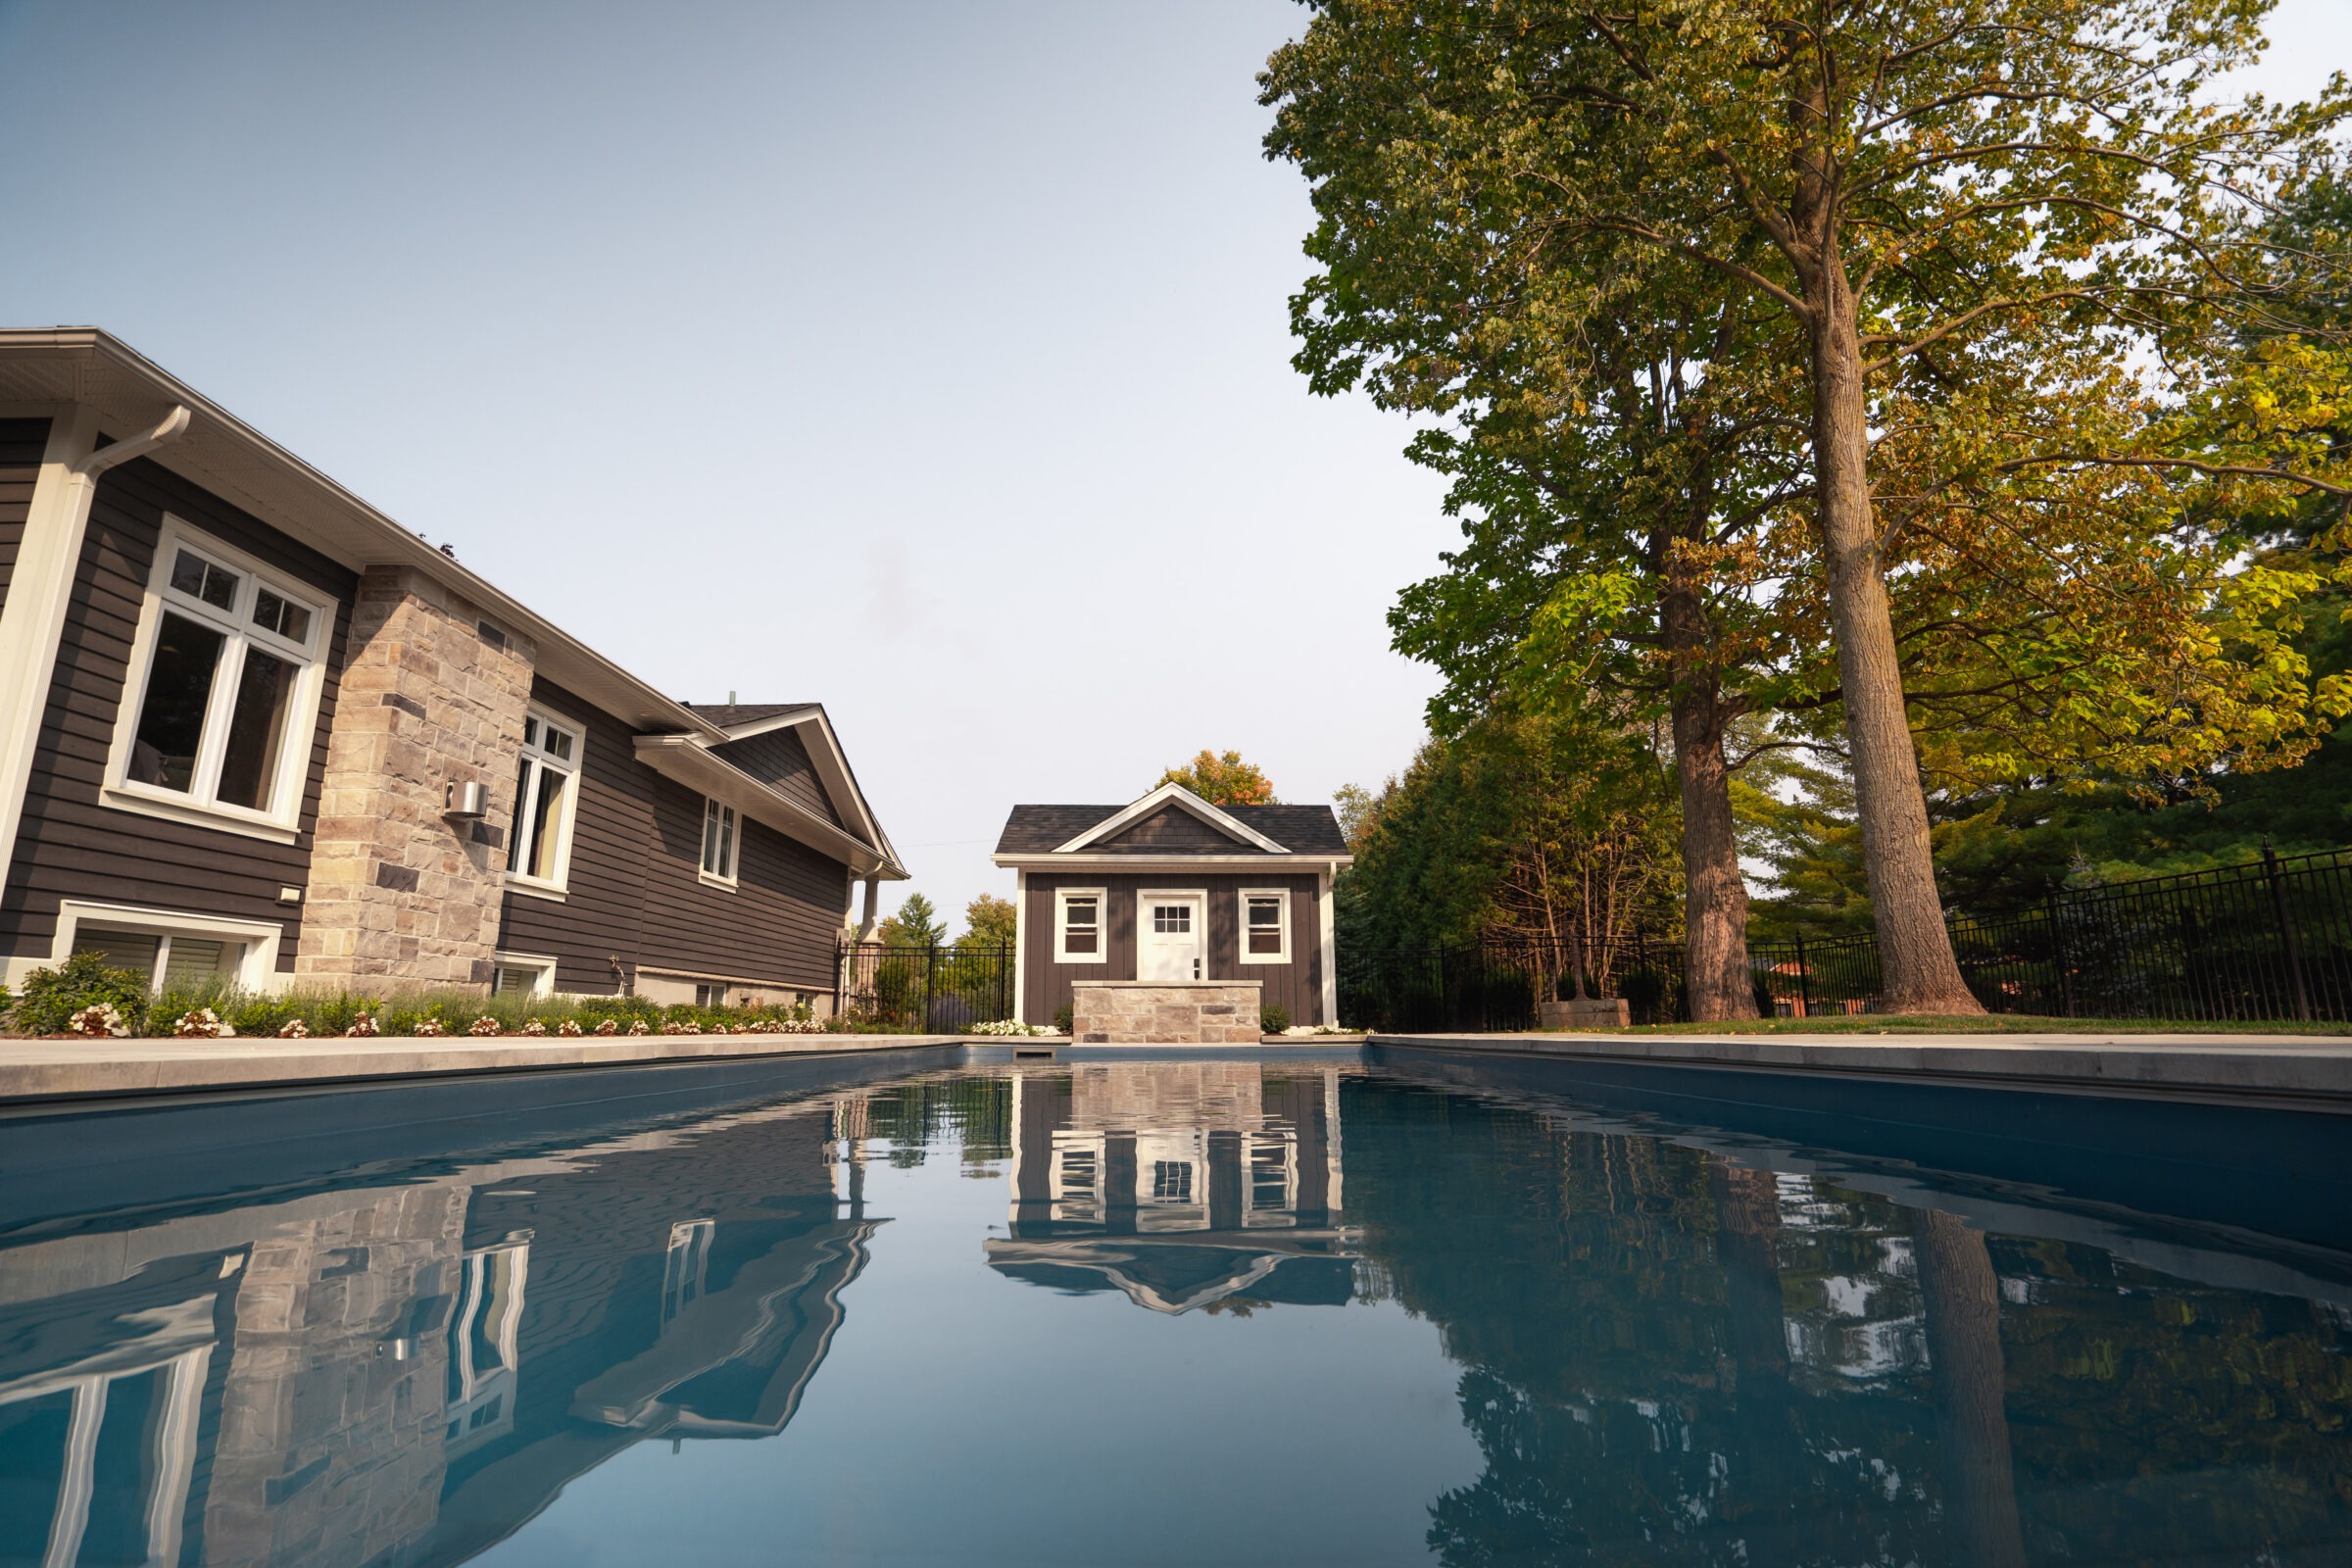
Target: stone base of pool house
{"type": "Point", "coordinates": [1165, 1012]}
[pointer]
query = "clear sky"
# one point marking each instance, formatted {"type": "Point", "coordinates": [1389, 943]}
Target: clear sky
{"type": "Point", "coordinates": [927, 360]}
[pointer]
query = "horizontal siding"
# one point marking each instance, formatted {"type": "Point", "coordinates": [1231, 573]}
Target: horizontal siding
{"type": "Point", "coordinates": [1296, 985]}
{"type": "Point", "coordinates": [635, 890]}
{"type": "Point", "coordinates": [604, 907]}
{"type": "Point", "coordinates": [778, 758]}
{"type": "Point", "coordinates": [70, 846]}
{"type": "Point", "coordinates": [780, 923]}
{"type": "Point", "coordinates": [21, 442]}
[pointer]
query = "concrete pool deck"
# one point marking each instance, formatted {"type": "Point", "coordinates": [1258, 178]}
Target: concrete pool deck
{"type": "Point", "coordinates": [2304, 1071]}
{"type": "Point", "coordinates": [34, 1072]}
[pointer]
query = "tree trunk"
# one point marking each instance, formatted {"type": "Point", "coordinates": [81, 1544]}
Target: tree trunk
{"type": "Point", "coordinates": [1965, 1365]}
{"type": "Point", "coordinates": [1715, 970]}
{"type": "Point", "coordinates": [1915, 950]}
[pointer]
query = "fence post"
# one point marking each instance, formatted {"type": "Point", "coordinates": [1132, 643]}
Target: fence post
{"type": "Point", "coordinates": [2066, 982]}
{"type": "Point", "coordinates": [1805, 977]}
{"type": "Point", "coordinates": [2286, 930]}
{"type": "Point", "coordinates": [930, 982]}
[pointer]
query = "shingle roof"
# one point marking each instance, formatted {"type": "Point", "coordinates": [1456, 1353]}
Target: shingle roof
{"type": "Point", "coordinates": [1300, 829]}
{"type": "Point", "coordinates": [727, 715]}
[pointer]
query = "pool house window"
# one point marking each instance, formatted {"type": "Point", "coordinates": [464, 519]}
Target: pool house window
{"type": "Point", "coordinates": [1265, 925]}
{"type": "Point", "coordinates": [226, 672]}
{"type": "Point", "coordinates": [546, 785]}
{"type": "Point", "coordinates": [1078, 925]}
{"type": "Point", "coordinates": [720, 831]}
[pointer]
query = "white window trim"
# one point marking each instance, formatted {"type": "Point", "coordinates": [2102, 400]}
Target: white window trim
{"type": "Point", "coordinates": [556, 886]}
{"type": "Point", "coordinates": [1061, 926]}
{"type": "Point", "coordinates": [729, 876]}
{"type": "Point", "coordinates": [119, 792]}
{"type": "Point", "coordinates": [540, 963]}
{"type": "Point", "coordinates": [1241, 913]}
{"type": "Point", "coordinates": [257, 966]}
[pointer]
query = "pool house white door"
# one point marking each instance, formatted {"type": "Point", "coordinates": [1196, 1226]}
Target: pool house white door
{"type": "Point", "coordinates": [1171, 936]}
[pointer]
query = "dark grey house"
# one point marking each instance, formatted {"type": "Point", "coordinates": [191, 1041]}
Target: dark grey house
{"type": "Point", "coordinates": [1171, 888]}
{"type": "Point", "coordinates": [252, 727]}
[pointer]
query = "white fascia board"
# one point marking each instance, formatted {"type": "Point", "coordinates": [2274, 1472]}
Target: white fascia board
{"type": "Point", "coordinates": [1169, 795]}
{"type": "Point", "coordinates": [831, 762]}
{"type": "Point", "coordinates": [685, 759]}
{"type": "Point", "coordinates": [237, 463]}
{"type": "Point", "coordinates": [1057, 862]}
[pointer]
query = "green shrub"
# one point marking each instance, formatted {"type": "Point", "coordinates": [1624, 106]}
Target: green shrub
{"type": "Point", "coordinates": [1065, 1018]}
{"type": "Point", "coordinates": [84, 980]}
{"type": "Point", "coordinates": [1273, 1018]}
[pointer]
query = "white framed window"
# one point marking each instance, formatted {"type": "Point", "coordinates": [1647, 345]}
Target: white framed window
{"type": "Point", "coordinates": [710, 993]}
{"type": "Point", "coordinates": [546, 791]}
{"type": "Point", "coordinates": [168, 946]}
{"type": "Point", "coordinates": [720, 831]}
{"type": "Point", "coordinates": [523, 974]}
{"type": "Point", "coordinates": [226, 672]}
{"type": "Point", "coordinates": [1265, 925]}
{"type": "Point", "coordinates": [1080, 925]}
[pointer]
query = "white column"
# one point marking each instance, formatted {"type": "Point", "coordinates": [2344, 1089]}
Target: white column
{"type": "Point", "coordinates": [1021, 944]}
{"type": "Point", "coordinates": [32, 620]}
{"type": "Point", "coordinates": [1331, 947]}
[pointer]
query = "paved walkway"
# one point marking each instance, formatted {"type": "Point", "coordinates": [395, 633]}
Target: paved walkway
{"type": "Point", "coordinates": [2306, 1070]}
{"type": "Point", "coordinates": [39, 1070]}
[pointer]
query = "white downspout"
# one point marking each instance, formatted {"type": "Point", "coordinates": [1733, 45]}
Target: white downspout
{"type": "Point", "coordinates": [872, 913]}
{"type": "Point", "coordinates": [1330, 945]}
{"type": "Point", "coordinates": [40, 590]}
{"type": "Point", "coordinates": [1021, 944]}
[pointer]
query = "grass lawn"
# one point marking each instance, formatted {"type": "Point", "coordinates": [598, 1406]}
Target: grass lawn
{"type": "Point", "coordinates": [1996, 1024]}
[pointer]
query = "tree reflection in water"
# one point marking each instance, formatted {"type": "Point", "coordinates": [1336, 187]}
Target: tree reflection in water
{"type": "Point", "coordinates": [1673, 1356]}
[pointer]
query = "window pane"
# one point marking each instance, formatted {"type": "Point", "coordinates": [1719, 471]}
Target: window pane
{"type": "Point", "coordinates": [530, 732]}
{"type": "Point", "coordinates": [543, 822]}
{"type": "Point", "coordinates": [520, 859]}
{"type": "Point", "coordinates": [557, 743]}
{"type": "Point", "coordinates": [196, 960]}
{"type": "Point", "coordinates": [710, 837]}
{"type": "Point", "coordinates": [1265, 942]}
{"type": "Point", "coordinates": [257, 731]}
{"type": "Point", "coordinates": [1079, 940]}
{"type": "Point", "coordinates": [187, 575]}
{"type": "Point", "coordinates": [125, 950]}
{"type": "Point", "coordinates": [515, 982]}
{"type": "Point", "coordinates": [274, 614]}
{"type": "Point", "coordinates": [726, 842]}
{"type": "Point", "coordinates": [1265, 911]}
{"type": "Point", "coordinates": [180, 685]}
{"type": "Point", "coordinates": [1082, 912]}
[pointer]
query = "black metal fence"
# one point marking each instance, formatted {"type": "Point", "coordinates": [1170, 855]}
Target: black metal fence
{"type": "Point", "coordinates": [935, 991]}
{"type": "Point", "coordinates": [2269, 940]}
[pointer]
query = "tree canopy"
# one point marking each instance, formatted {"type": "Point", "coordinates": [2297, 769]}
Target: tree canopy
{"type": "Point", "coordinates": [1221, 778]}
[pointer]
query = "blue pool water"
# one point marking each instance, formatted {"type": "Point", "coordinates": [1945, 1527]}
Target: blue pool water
{"type": "Point", "coordinates": [1235, 1311]}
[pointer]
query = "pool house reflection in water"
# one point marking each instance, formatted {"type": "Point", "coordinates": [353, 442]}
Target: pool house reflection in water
{"type": "Point", "coordinates": [1180, 1183]}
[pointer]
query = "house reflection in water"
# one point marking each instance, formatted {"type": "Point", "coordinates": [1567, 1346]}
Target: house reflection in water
{"type": "Point", "coordinates": [1181, 1184]}
{"type": "Point", "coordinates": [405, 1373]}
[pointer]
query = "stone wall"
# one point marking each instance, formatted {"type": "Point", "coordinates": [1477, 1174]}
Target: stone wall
{"type": "Point", "coordinates": [433, 694]}
{"type": "Point", "coordinates": [1181, 1012]}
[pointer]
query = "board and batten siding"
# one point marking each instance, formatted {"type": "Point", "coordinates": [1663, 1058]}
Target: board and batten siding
{"type": "Point", "coordinates": [1296, 985]}
{"type": "Point", "coordinates": [1170, 829]}
{"type": "Point", "coordinates": [21, 442]}
{"type": "Point", "coordinates": [779, 758]}
{"type": "Point", "coordinates": [72, 846]}
{"type": "Point", "coordinates": [634, 888]}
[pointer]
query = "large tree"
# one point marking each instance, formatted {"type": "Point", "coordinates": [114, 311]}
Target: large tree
{"type": "Point", "coordinates": [1221, 779]}
{"type": "Point", "coordinates": [1905, 187]}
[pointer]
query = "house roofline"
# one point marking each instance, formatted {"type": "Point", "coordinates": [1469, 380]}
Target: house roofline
{"type": "Point", "coordinates": [1057, 861]}
{"type": "Point", "coordinates": [1169, 795]}
{"type": "Point", "coordinates": [688, 760]}
{"type": "Point", "coordinates": [129, 391]}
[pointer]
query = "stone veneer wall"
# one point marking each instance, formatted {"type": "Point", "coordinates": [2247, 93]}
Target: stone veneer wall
{"type": "Point", "coordinates": [432, 694]}
{"type": "Point", "coordinates": [1216, 1012]}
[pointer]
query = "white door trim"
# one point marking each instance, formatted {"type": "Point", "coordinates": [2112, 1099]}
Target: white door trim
{"type": "Point", "coordinates": [1198, 898]}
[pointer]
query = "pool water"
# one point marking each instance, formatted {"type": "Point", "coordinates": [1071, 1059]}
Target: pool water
{"type": "Point", "coordinates": [1151, 1312]}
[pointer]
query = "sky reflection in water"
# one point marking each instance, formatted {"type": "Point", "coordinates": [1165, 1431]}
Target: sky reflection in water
{"type": "Point", "coordinates": [1161, 1313]}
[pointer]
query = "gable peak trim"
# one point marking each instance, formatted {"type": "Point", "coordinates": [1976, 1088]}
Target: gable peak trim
{"type": "Point", "coordinates": [1177, 796]}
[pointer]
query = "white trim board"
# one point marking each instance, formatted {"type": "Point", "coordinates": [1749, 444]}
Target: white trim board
{"type": "Point", "coordinates": [1157, 863]}
{"type": "Point", "coordinates": [1169, 795]}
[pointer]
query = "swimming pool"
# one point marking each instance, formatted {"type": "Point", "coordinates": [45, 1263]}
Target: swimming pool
{"type": "Point", "coordinates": [1235, 1310]}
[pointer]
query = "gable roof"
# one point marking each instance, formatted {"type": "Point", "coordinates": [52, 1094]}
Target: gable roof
{"type": "Point", "coordinates": [1296, 830]}
{"type": "Point", "coordinates": [743, 720]}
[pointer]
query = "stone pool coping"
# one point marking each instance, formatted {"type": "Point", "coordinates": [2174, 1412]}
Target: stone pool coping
{"type": "Point", "coordinates": [2304, 1071]}
{"type": "Point", "coordinates": [37, 1071]}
